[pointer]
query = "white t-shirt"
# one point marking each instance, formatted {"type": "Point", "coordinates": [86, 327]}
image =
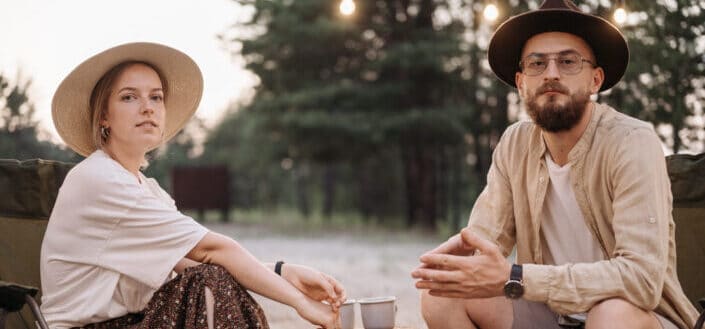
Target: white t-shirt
{"type": "Point", "coordinates": [566, 236]}
{"type": "Point", "coordinates": [111, 242]}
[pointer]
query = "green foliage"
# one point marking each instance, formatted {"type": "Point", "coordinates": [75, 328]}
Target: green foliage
{"type": "Point", "coordinates": [667, 66]}
{"type": "Point", "coordinates": [179, 151]}
{"type": "Point", "coordinates": [19, 129]}
{"type": "Point", "coordinates": [255, 155]}
{"type": "Point", "coordinates": [393, 111]}
{"type": "Point", "coordinates": [340, 96]}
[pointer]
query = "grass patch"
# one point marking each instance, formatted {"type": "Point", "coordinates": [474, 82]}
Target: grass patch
{"type": "Point", "coordinates": [291, 222]}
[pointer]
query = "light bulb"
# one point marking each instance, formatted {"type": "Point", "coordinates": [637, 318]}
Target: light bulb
{"type": "Point", "coordinates": [347, 7]}
{"type": "Point", "coordinates": [491, 13]}
{"type": "Point", "coordinates": [620, 15]}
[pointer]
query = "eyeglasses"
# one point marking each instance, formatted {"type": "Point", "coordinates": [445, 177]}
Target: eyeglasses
{"type": "Point", "coordinates": [569, 62]}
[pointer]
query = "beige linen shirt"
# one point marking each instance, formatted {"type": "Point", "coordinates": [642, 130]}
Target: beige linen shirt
{"type": "Point", "coordinates": [620, 182]}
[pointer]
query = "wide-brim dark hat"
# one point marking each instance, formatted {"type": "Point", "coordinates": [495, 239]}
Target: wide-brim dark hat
{"type": "Point", "coordinates": [607, 42]}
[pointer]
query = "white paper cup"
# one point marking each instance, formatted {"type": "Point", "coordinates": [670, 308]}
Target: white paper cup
{"type": "Point", "coordinates": [347, 315]}
{"type": "Point", "coordinates": [378, 312]}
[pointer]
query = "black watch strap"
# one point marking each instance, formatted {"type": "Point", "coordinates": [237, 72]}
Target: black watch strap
{"type": "Point", "coordinates": [514, 288]}
{"type": "Point", "coordinates": [278, 267]}
{"type": "Point", "coordinates": [517, 273]}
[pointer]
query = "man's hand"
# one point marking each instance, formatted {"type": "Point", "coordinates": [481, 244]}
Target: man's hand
{"type": "Point", "coordinates": [451, 271]}
{"type": "Point", "coordinates": [454, 246]}
{"type": "Point", "coordinates": [314, 284]}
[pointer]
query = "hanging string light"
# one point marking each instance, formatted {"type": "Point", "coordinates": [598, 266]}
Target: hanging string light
{"type": "Point", "coordinates": [347, 7]}
{"type": "Point", "coordinates": [620, 14]}
{"type": "Point", "coordinates": [491, 12]}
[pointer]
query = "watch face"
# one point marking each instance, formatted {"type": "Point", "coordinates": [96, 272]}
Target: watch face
{"type": "Point", "coordinates": [513, 289]}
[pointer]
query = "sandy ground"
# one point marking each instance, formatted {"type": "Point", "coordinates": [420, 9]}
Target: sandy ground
{"type": "Point", "coordinates": [368, 264]}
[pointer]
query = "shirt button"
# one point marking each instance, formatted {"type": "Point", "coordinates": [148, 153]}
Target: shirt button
{"type": "Point", "coordinates": [540, 179]}
{"type": "Point", "coordinates": [652, 220]}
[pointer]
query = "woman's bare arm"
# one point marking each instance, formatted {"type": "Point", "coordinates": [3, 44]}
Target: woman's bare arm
{"type": "Point", "coordinates": [183, 264]}
{"type": "Point", "coordinates": [217, 249]}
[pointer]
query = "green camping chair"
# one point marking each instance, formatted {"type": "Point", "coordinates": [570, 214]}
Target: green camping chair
{"type": "Point", "coordinates": [28, 190]}
{"type": "Point", "coordinates": [14, 297]}
{"type": "Point", "coordinates": [687, 174]}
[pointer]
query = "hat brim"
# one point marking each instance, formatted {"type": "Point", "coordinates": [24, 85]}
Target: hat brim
{"type": "Point", "coordinates": [71, 103]}
{"type": "Point", "coordinates": [607, 42]}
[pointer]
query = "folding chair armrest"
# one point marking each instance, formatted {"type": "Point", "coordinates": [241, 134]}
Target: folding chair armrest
{"type": "Point", "coordinates": [12, 296]}
{"type": "Point", "coordinates": [701, 318]}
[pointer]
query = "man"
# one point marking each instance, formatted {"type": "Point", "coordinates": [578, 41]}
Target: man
{"type": "Point", "coordinates": [581, 191]}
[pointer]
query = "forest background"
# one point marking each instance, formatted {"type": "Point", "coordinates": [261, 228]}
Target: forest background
{"type": "Point", "coordinates": [388, 117]}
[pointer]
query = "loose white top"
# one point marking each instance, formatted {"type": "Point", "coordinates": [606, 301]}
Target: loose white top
{"type": "Point", "coordinates": [111, 242]}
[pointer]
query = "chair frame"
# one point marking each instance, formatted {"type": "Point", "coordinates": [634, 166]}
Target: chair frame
{"type": "Point", "coordinates": [14, 297]}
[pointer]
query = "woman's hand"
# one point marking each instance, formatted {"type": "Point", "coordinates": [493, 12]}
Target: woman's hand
{"type": "Point", "coordinates": [314, 284]}
{"type": "Point", "coordinates": [317, 313]}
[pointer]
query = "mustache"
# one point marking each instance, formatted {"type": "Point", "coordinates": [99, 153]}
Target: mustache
{"type": "Point", "coordinates": [552, 86]}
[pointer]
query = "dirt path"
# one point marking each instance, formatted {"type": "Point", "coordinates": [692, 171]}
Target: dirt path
{"type": "Point", "coordinates": [368, 264]}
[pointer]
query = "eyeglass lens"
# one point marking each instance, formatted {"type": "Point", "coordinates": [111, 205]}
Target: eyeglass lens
{"type": "Point", "coordinates": [567, 62]}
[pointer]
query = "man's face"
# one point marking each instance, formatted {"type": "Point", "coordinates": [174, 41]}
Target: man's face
{"type": "Point", "coordinates": [558, 76]}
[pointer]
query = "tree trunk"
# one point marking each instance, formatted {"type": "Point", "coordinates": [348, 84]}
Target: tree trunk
{"type": "Point", "coordinates": [456, 163]}
{"type": "Point", "coordinates": [679, 113]}
{"type": "Point", "coordinates": [420, 176]}
{"type": "Point", "coordinates": [442, 179]}
{"type": "Point", "coordinates": [301, 188]}
{"type": "Point", "coordinates": [364, 188]}
{"type": "Point", "coordinates": [329, 181]}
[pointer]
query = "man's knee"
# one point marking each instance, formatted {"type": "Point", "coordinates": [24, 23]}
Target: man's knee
{"type": "Point", "coordinates": [616, 310]}
{"type": "Point", "coordinates": [450, 313]}
{"type": "Point", "coordinates": [439, 312]}
{"type": "Point", "coordinates": [432, 307]}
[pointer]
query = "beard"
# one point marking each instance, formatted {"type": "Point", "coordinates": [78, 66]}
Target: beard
{"type": "Point", "coordinates": [554, 116]}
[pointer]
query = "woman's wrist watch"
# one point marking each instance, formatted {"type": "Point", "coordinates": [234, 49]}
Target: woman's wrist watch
{"type": "Point", "coordinates": [514, 288]}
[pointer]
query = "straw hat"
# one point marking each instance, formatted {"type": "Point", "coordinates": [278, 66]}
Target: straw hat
{"type": "Point", "coordinates": [606, 41]}
{"type": "Point", "coordinates": [70, 107]}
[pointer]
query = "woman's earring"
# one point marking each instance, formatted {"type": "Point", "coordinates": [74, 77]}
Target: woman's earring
{"type": "Point", "coordinates": [104, 132]}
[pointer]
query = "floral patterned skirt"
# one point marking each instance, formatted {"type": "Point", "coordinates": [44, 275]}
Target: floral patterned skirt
{"type": "Point", "coordinates": [181, 303]}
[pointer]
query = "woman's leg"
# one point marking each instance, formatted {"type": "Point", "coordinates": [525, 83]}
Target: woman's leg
{"type": "Point", "coordinates": [209, 307]}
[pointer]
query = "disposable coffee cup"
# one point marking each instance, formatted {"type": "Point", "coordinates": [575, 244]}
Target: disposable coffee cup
{"type": "Point", "coordinates": [378, 312]}
{"type": "Point", "coordinates": [347, 314]}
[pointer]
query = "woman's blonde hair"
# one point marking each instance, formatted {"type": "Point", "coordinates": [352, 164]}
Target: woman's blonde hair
{"type": "Point", "coordinates": [101, 95]}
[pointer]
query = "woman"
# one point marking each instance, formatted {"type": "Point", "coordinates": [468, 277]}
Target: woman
{"type": "Point", "coordinates": [114, 236]}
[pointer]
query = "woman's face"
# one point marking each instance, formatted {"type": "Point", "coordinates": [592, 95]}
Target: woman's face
{"type": "Point", "coordinates": [136, 113]}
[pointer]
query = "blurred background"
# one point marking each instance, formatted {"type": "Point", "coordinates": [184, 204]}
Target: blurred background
{"type": "Point", "coordinates": [364, 128]}
{"type": "Point", "coordinates": [382, 112]}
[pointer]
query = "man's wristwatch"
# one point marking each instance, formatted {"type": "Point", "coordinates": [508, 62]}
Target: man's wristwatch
{"type": "Point", "coordinates": [514, 288]}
